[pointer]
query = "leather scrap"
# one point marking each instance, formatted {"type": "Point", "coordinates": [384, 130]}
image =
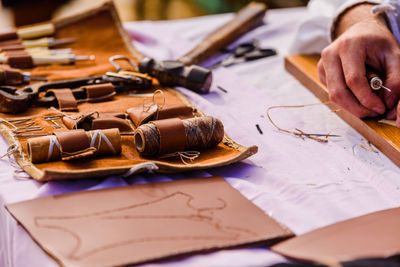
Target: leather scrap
{"type": "Point", "coordinates": [65, 98]}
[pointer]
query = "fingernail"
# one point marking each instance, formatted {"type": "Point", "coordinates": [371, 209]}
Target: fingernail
{"type": "Point", "coordinates": [379, 110]}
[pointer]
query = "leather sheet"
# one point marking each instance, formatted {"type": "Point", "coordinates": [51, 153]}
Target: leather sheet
{"type": "Point", "coordinates": [139, 223]}
{"type": "Point", "coordinates": [375, 235]}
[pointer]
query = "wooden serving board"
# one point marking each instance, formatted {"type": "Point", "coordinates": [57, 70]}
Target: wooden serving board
{"type": "Point", "coordinates": [385, 137]}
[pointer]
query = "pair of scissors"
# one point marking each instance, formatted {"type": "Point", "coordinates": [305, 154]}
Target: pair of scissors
{"type": "Point", "coordinates": [245, 52]}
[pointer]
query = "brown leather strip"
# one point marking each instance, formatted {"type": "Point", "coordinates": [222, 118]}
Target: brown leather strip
{"type": "Point", "coordinates": [9, 35]}
{"type": "Point", "coordinates": [140, 116]}
{"type": "Point", "coordinates": [65, 98]}
{"type": "Point", "coordinates": [12, 47]}
{"type": "Point", "coordinates": [100, 92]}
{"type": "Point", "coordinates": [20, 61]}
{"type": "Point", "coordinates": [16, 53]}
{"type": "Point", "coordinates": [172, 135]}
{"type": "Point", "coordinates": [73, 140]}
{"type": "Point", "coordinates": [109, 122]}
{"type": "Point", "coordinates": [10, 42]}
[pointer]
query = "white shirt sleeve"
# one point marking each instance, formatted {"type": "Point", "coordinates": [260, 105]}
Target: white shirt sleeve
{"type": "Point", "coordinates": [314, 34]}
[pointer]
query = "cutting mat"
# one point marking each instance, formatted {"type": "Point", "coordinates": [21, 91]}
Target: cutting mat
{"type": "Point", "coordinates": [386, 138]}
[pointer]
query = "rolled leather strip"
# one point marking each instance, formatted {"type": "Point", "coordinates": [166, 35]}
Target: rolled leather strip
{"type": "Point", "coordinates": [48, 148]}
{"type": "Point", "coordinates": [107, 122]}
{"type": "Point", "coordinates": [65, 98]}
{"type": "Point", "coordinates": [200, 133]}
{"type": "Point", "coordinates": [100, 92]}
{"type": "Point", "coordinates": [72, 140]}
{"type": "Point", "coordinates": [20, 61]}
{"type": "Point", "coordinates": [12, 34]}
{"type": "Point", "coordinates": [10, 42]}
{"type": "Point", "coordinates": [140, 115]}
{"type": "Point", "coordinates": [172, 135]}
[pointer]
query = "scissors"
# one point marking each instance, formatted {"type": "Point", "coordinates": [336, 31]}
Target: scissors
{"type": "Point", "coordinates": [245, 52]}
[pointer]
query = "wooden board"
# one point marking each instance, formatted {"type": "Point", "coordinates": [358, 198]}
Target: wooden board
{"type": "Point", "coordinates": [386, 138]}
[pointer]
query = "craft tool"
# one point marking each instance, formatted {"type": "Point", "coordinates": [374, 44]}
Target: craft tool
{"type": "Point", "coordinates": [246, 19]}
{"type": "Point", "coordinates": [42, 42]}
{"type": "Point", "coordinates": [375, 81]}
{"type": "Point", "coordinates": [39, 51]}
{"type": "Point", "coordinates": [12, 76]}
{"type": "Point", "coordinates": [245, 52]}
{"type": "Point", "coordinates": [28, 32]}
{"type": "Point", "coordinates": [28, 61]}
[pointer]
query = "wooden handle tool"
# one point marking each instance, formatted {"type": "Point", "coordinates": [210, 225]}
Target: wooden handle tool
{"type": "Point", "coordinates": [246, 19]}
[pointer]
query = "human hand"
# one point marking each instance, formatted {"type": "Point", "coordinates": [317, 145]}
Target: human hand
{"type": "Point", "coordinates": [364, 39]}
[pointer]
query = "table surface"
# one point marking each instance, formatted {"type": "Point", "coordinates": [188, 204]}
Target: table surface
{"type": "Point", "coordinates": [303, 184]}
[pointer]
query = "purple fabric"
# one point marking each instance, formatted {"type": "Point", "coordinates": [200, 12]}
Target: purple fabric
{"type": "Point", "coordinates": [301, 183]}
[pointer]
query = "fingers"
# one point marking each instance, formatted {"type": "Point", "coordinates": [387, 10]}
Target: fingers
{"type": "Point", "coordinates": [338, 91]}
{"type": "Point", "coordinates": [353, 64]}
{"type": "Point", "coordinates": [321, 72]}
{"type": "Point", "coordinates": [392, 65]}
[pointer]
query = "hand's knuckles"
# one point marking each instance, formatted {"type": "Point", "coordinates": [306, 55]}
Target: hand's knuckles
{"type": "Point", "coordinates": [353, 80]}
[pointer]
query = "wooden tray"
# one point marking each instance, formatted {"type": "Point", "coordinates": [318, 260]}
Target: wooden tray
{"type": "Point", "coordinates": [386, 138]}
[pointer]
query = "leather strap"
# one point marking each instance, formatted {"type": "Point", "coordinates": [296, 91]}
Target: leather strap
{"type": "Point", "coordinates": [140, 116]}
{"type": "Point", "coordinates": [172, 135]}
{"type": "Point", "coordinates": [9, 35]}
{"type": "Point", "coordinates": [20, 61]}
{"type": "Point", "coordinates": [100, 92]}
{"type": "Point", "coordinates": [65, 98]}
{"type": "Point", "coordinates": [74, 144]}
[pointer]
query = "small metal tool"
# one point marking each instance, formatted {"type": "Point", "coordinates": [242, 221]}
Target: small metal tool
{"type": "Point", "coordinates": [375, 81]}
{"type": "Point", "coordinates": [245, 52]}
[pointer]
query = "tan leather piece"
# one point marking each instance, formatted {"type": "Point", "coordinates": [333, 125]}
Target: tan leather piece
{"type": "Point", "coordinates": [100, 92]}
{"type": "Point", "coordinates": [65, 98]}
{"type": "Point", "coordinates": [72, 140]}
{"type": "Point", "coordinates": [134, 224]}
{"type": "Point", "coordinates": [9, 35]}
{"type": "Point", "coordinates": [375, 235]}
{"type": "Point", "coordinates": [172, 135]}
{"type": "Point", "coordinates": [20, 61]}
{"type": "Point", "coordinates": [91, 29]}
{"type": "Point", "coordinates": [140, 115]}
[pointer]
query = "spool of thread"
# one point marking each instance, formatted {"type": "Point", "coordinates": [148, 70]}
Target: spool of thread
{"type": "Point", "coordinates": [153, 138]}
{"type": "Point", "coordinates": [45, 148]}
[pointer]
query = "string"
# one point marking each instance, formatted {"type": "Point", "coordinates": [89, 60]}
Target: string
{"type": "Point", "coordinates": [102, 136]}
{"type": "Point", "coordinates": [300, 133]}
{"type": "Point", "coordinates": [53, 141]}
{"type": "Point", "coordinates": [183, 155]}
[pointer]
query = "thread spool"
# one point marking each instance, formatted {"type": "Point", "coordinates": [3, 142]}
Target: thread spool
{"type": "Point", "coordinates": [43, 149]}
{"type": "Point", "coordinates": [153, 139]}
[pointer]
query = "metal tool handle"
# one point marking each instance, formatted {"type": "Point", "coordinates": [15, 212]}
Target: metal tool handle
{"type": "Point", "coordinates": [246, 19]}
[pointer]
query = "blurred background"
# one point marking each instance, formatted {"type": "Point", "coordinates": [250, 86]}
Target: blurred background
{"type": "Point", "coordinates": [22, 12]}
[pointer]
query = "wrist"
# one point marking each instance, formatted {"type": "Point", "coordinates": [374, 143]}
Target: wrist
{"type": "Point", "coordinates": [354, 14]}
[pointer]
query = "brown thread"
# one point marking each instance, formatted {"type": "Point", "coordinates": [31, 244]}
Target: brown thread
{"type": "Point", "coordinates": [201, 133]}
{"type": "Point", "coordinates": [300, 133]}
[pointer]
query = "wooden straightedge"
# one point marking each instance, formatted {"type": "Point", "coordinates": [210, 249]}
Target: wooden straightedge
{"type": "Point", "coordinates": [386, 138]}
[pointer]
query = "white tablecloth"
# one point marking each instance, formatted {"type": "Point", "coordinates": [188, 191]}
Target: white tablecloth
{"type": "Point", "coordinates": [303, 184]}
